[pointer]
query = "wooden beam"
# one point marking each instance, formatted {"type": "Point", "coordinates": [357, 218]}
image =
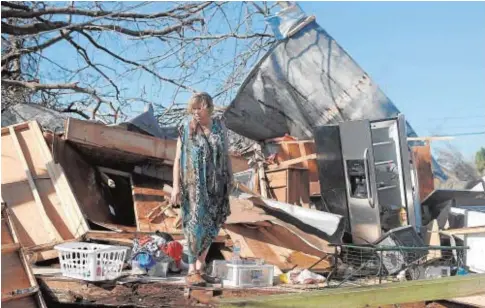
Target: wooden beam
{"type": "Point", "coordinates": [77, 224]}
{"type": "Point", "coordinates": [372, 296]}
{"type": "Point", "coordinates": [430, 138]}
{"type": "Point", "coordinates": [50, 228]}
{"type": "Point", "coordinates": [6, 130]}
{"type": "Point", "coordinates": [127, 237]}
{"type": "Point", "coordinates": [21, 294]}
{"type": "Point", "coordinates": [47, 246]}
{"type": "Point", "coordinates": [163, 172]}
{"type": "Point", "coordinates": [114, 172]}
{"type": "Point", "coordinates": [469, 230]}
{"type": "Point", "coordinates": [102, 136]}
{"type": "Point", "coordinates": [7, 248]}
{"type": "Point", "coordinates": [33, 290]}
{"type": "Point", "coordinates": [293, 161]}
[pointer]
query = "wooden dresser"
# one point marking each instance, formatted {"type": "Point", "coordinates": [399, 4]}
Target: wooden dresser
{"type": "Point", "coordinates": [290, 185]}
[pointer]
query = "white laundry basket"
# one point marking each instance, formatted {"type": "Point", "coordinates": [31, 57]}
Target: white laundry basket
{"type": "Point", "coordinates": [92, 262]}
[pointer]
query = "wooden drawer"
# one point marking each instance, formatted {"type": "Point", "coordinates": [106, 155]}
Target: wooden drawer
{"type": "Point", "coordinates": [277, 178]}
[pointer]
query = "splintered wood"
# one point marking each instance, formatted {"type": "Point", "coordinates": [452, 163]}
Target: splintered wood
{"type": "Point", "coordinates": [300, 154]}
{"type": "Point", "coordinates": [19, 287]}
{"type": "Point", "coordinates": [152, 209]}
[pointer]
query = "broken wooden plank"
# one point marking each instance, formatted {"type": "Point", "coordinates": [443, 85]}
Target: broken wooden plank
{"type": "Point", "coordinates": [149, 195]}
{"type": "Point", "coordinates": [19, 287]}
{"type": "Point", "coordinates": [163, 172]}
{"type": "Point", "coordinates": [48, 226]}
{"type": "Point", "coordinates": [127, 237]}
{"type": "Point", "coordinates": [7, 248]}
{"type": "Point", "coordinates": [468, 230]}
{"type": "Point", "coordinates": [72, 212]}
{"type": "Point", "coordinates": [33, 185]}
{"type": "Point", "coordinates": [106, 137]}
{"type": "Point", "coordinates": [294, 161]}
{"type": "Point", "coordinates": [48, 246]}
{"type": "Point", "coordinates": [372, 296]}
{"type": "Point", "coordinates": [113, 171]}
{"type": "Point", "coordinates": [423, 162]}
{"type": "Point", "coordinates": [150, 192]}
{"type": "Point", "coordinates": [114, 227]}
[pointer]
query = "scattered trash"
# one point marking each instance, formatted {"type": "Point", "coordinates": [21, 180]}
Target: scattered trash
{"type": "Point", "coordinates": [301, 276]}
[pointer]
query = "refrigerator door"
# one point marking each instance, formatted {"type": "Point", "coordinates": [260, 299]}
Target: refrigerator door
{"type": "Point", "coordinates": [331, 171]}
{"type": "Point", "coordinates": [358, 159]}
{"type": "Point", "coordinates": [393, 174]}
{"type": "Point", "coordinates": [412, 197]}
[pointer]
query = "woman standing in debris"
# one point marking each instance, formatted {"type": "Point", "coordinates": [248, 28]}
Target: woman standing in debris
{"type": "Point", "coordinates": [202, 181]}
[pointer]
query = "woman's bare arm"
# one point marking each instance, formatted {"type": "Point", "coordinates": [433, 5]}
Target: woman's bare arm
{"type": "Point", "coordinates": [176, 174]}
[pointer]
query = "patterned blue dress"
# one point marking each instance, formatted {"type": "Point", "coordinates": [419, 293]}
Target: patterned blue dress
{"type": "Point", "coordinates": [205, 185]}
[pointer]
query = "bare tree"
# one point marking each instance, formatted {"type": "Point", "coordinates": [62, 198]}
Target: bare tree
{"type": "Point", "coordinates": [457, 167]}
{"type": "Point", "coordinates": [102, 60]}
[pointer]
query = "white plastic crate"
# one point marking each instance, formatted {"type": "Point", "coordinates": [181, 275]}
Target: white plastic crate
{"type": "Point", "coordinates": [92, 262]}
{"type": "Point", "coordinates": [219, 269]}
{"type": "Point", "coordinates": [248, 275]}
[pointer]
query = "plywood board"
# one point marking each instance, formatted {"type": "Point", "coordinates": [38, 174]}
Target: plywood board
{"type": "Point", "coordinates": [26, 302]}
{"type": "Point", "coordinates": [105, 137]}
{"type": "Point", "coordinates": [14, 276]}
{"type": "Point", "coordinates": [273, 244]}
{"type": "Point", "coordinates": [36, 190]}
{"type": "Point", "coordinates": [19, 287]}
{"type": "Point", "coordinates": [149, 195]}
{"type": "Point", "coordinates": [82, 177]}
{"type": "Point", "coordinates": [6, 235]}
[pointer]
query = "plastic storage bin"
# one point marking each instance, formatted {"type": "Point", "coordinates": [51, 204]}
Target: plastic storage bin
{"type": "Point", "coordinates": [248, 275]}
{"type": "Point", "coordinates": [92, 262]}
{"type": "Point", "coordinates": [160, 269]}
{"type": "Point", "coordinates": [219, 269]}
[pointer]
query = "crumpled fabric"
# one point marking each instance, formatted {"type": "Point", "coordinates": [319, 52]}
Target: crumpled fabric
{"type": "Point", "coordinates": [147, 250]}
{"type": "Point", "coordinates": [174, 250]}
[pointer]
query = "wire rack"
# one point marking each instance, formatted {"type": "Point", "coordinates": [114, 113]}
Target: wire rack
{"type": "Point", "coordinates": [367, 265]}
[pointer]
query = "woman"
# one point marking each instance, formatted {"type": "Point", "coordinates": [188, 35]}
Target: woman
{"type": "Point", "coordinates": [202, 179]}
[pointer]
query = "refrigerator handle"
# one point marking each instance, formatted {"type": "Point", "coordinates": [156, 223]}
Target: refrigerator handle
{"type": "Point", "coordinates": [367, 180]}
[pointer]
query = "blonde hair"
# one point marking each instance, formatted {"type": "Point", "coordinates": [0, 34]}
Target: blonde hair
{"type": "Point", "coordinates": [202, 98]}
{"type": "Point", "coordinates": [205, 100]}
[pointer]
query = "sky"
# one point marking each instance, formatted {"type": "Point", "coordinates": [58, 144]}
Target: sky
{"type": "Point", "coordinates": [427, 57]}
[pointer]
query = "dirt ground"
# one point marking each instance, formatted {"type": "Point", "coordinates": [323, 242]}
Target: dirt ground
{"type": "Point", "coordinates": [158, 295]}
{"type": "Point", "coordinates": [148, 295]}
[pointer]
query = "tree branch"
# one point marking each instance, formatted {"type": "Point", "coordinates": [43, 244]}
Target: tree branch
{"type": "Point", "coordinates": [36, 48]}
{"type": "Point", "coordinates": [222, 36]}
{"type": "Point", "coordinates": [48, 26]}
{"type": "Point", "coordinates": [14, 5]}
{"type": "Point", "coordinates": [144, 67]}
{"type": "Point", "coordinates": [35, 86]}
{"type": "Point", "coordinates": [91, 13]}
{"type": "Point", "coordinates": [84, 54]}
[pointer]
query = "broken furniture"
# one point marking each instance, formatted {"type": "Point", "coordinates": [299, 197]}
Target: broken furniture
{"type": "Point", "coordinates": [290, 152]}
{"type": "Point", "coordinates": [37, 191]}
{"type": "Point", "coordinates": [19, 287]}
{"type": "Point", "coordinates": [365, 175]}
{"type": "Point", "coordinates": [289, 185]}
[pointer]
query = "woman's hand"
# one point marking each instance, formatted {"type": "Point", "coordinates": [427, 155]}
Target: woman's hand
{"type": "Point", "coordinates": [175, 197]}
